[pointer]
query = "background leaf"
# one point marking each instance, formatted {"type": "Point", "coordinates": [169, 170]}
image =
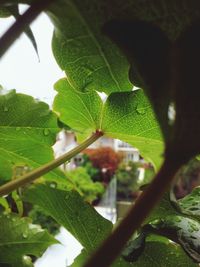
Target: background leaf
{"type": "Point", "coordinates": [19, 238]}
{"type": "Point", "coordinates": [14, 10]}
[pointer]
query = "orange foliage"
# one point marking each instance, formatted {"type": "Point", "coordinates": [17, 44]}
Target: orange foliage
{"type": "Point", "coordinates": [106, 160]}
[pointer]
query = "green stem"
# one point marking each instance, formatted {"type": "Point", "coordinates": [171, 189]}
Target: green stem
{"type": "Point", "coordinates": [33, 175]}
{"type": "Point", "coordinates": [18, 27]}
{"type": "Point", "coordinates": [113, 245]}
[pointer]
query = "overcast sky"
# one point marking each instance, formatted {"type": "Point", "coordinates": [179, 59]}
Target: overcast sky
{"type": "Point", "coordinates": [20, 68]}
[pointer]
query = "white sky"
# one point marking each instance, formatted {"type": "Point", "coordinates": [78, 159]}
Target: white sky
{"type": "Point", "coordinates": [20, 68]}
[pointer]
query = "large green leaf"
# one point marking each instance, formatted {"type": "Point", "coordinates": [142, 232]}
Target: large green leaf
{"type": "Point", "coordinates": [19, 238]}
{"type": "Point", "coordinates": [82, 257]}
{"type": "Point", "coordinates": [182, 230]}
{"type": "Point", "coordinates": [166, 255]}
{"type": "Point", "coordinates": [89, 59]}
{"type": "Point", "coordinates": [127, 116]}
{"type": "Point", "coordinates": [27, 131]}
{"type": "Point", "coordinates": [69, 210]}
{"type": "Point", "coordinates": [156, 254]}
{"type": "Point", "coordinates": [81, 111]}
{"type": "Point", "coordinates": [25, 262]}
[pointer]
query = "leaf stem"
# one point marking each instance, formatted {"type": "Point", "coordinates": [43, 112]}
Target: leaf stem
{"type": "Point", "coordinates": [21, 23]}
{"type": "Point", "coordinates": [33, 175]}
{"type": "Point", "coordinates": [112, 246]}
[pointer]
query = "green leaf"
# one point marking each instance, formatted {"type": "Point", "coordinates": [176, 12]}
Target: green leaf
{"type": "Point", "coordinates": [163, 209]}
{"type": "Point", "coordinates": [80, 259]}
{"type": "Point", "coordinates": [161, 254]}
{"type": "Point", "coordinates": [147, 49]}
{"type": "Point", "coordinates": [4, 204]}
{"type": "Point", "coordinates": [79, 110]}
{"type": "Point", "coordinates": [157, 254]}
{"type": "Point", "coordinates": [69, 210]}
{"type": "Point", "coordinates": [190, 204]}
{"type": "Point", "coordinates": [127, 116]}
{"type": "Point", "coordinates": [19, 238]}
{"type": "Point", "coordinates": [27, 131]}
{"type": "Point", "coordinates": [83, 256]}
{"type": "Point", "coordinates": [89, 59]}
{"type": "Point", "coordinates": [134, 248]}
{"type": "Point", "coordinates": [182, 230]}
{"type": "Point", "coordinates": [26, 262]}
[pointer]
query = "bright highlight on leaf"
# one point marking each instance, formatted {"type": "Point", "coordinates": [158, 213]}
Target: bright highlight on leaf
{"type": "Point", "coordinates": [127, 116]}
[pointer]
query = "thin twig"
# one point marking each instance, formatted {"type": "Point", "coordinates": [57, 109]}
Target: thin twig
{"type": "Point", "coordinates": [113, 245]}
{"type": "Point", "coordinates": [21, 23]}
{"type": "Point", "coordinates": [33, 175]}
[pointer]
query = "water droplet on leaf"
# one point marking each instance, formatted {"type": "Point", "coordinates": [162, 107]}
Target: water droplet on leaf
{"type": "Point", "coordinates": [177, 219]}
{"type": "Point", "coordinates": [141, 110]}
{"type": "Point", "coordinates": [27, 260]}
{"type": "Point", "coordinates": [53, 185]}
{"type": "Point", "coordinates": [46, 132]}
